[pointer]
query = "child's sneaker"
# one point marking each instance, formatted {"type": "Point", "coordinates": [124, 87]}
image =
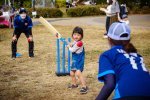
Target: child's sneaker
{"type": "Point", "coordinates": [84, 90]}
{"type": "Point", "coordinates": [71, 86]}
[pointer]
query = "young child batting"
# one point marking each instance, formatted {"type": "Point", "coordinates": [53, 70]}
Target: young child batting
{"type": "Point", "coordinates": [122, 68]}
{"type": "Point", "coordinates": [78, 56]}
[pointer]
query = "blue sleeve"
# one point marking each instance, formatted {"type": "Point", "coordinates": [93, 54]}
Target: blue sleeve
{"type": "Point", "coordinates": [109, 86]}
{"type": "Point", "coordinates": [105, 67]}
{"type": "Point", "coordinates": [30, 24]}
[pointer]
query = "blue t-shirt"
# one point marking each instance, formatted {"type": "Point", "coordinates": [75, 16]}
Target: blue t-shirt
{"type": "Point", "coordinates": [22, 24]}
{"type": "Point", "coordinates": [132, 78]}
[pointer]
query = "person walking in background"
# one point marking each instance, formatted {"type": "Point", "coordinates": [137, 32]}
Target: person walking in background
{"type": "Point", "coordinates": [78, 56]}
{"type": "Point", "coordinates": [123, 10]}
{"type": "Point", "coordinates": [122, 68]}
{"type": "Point", "coordinates": [22, 24]}
{"type": "Point", "coordinates": [112, 14]}
{"type": "Point", "coordinates": [124, 14]}
{"type": "Point", "coordinates": [68, 5]}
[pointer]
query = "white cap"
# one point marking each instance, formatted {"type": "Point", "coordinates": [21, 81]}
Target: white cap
{"type": "Point", "coordinates": [117, 29]}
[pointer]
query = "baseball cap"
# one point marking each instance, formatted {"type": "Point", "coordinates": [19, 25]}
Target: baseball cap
{"type": "Point", "coordinates": [22, 10]}
{"type": "Point", "coordinates": [117, 30]}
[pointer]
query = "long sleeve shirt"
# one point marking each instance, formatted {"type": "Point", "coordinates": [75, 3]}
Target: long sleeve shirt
{"type": "Point", "coordinates": [22, 24]}
{"type": "Point", "coordinates": [77, 47]}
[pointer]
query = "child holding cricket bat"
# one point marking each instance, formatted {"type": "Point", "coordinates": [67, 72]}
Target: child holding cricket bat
{"type": "Point", "coordinates": [78, 56]}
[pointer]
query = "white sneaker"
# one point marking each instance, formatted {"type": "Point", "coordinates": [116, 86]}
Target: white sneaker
{"type": "Point", "coordinates": [105, 36]}
{"type": "Point", "coordinates": [13, 58]}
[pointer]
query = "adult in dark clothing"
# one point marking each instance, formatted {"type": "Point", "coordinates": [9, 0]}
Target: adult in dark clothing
{"type": "Point", "coordinates": [22, 24]}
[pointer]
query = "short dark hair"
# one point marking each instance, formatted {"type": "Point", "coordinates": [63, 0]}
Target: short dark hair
{"type": "Point", "coordinates": [79, 30]}
{"type": "Point", "coordinates": [21, 10]}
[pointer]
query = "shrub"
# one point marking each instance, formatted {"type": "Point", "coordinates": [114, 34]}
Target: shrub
{"type": "Point", "coordinates": [74, 12]}
{"type": "Point", "coordinates": [139, 10]}
{"type": "Point", "coordinates": [46, 12]}
{"type": "Point", "coordinates": [27, 4]}
{"type": "Point", "coordinates": [60, 3]}
{"type": "Point", "coordinates": [84, 11]}
{"type": "Point", "coordinates": [135, 10]}
{"type": "Point", "coordinates": [145, 10]}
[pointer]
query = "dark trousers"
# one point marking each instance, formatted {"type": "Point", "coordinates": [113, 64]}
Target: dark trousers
{"type": "Point", "coordinates": [68, 5]}
{"type": "Point", "coordinates": [107, 24]}
{"type": "Point", "coordinates": [109, 21]}
{"type": "Point", "coordinates": [14, 43]}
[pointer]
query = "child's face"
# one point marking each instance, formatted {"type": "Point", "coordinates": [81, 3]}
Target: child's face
{"type": "Point", "coordinates": [23, 15]}
{"type": "Point", "coordinates": [77, 36]}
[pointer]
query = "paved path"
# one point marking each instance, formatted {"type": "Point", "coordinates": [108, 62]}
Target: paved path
{"type": "Point", "coordinates": [142, 21]}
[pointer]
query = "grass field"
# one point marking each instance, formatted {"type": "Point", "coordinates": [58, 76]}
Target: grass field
{"type": "Point", "coordinates": [34, 79]}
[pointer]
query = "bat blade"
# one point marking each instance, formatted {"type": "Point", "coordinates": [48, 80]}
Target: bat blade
{"type": "Point", "coordinates": [50, 27]}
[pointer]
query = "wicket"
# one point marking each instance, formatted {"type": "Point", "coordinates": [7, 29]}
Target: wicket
{"type": "Point", "coordinates": [64, 72]}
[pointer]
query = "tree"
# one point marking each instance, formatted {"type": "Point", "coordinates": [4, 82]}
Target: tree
{"type": "Point", "coordinates": [19, 2]}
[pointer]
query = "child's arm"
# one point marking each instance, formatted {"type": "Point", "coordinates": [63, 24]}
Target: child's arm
{"type": "Point", "coordinates": [107, 11]}
{"type": "Point", "coordinates": [109, 85]}
{"type": "Point", "coordinates": [76, 47]}
{"type": "Point", "coordinates": [15, 28]}
{"type": "Point", "coordinates": [16, 23]}
{"type": "Point", "coordinates": [102, 9]}
{"type": "Point", "coordinates": [30, 25]}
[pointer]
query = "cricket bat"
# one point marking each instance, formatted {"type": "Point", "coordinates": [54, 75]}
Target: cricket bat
{"type": "Point", "coordinates": [50, 27]}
